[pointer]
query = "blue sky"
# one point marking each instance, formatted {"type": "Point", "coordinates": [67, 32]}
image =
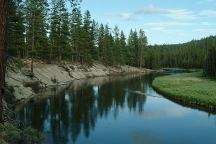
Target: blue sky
{"type": "Point", "coordinates": [164, 21]}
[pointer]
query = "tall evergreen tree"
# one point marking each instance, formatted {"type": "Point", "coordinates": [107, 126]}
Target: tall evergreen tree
{"type": "Point", "coordinates": [16, 29]}
{"type": "Point", "coordinates": [36, 22]}
{"type": "Point", "coordinates": [101, 46]}
{"type": "Point", "coordinates": [65, 35]}
{"type": "Point", "coordinates": [136, 48]}
{"type": "Point", "coordinates": [133, 48]}
{"type": "Point", "coordinates": [59, 30]}
{"type": "Point", "coordinates": [109, 47]}
{"type": "Point", "coordinates": [117, 48]}
{"type": "Point", "coordinates": [94, 38]}
{"type": "Point", "coordinates": [123, 49]}
{"type": "Point", "coordinates": [76, 35]}
{"type": "Point", "coordinates": [88, 39]}
{"type": "Point", "coordinates": [54, 28]}
{"type": "Point", "coordinates": [142, 48]}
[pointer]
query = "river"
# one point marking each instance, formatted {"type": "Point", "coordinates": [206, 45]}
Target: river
{"type": "Point", "coordinates": [117, 110]}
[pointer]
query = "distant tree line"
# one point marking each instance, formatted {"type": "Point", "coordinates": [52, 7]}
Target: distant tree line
{"type": "Point", "coordinates": [52, 32]}
{"type": "Point", "coordinates": [193, 54]}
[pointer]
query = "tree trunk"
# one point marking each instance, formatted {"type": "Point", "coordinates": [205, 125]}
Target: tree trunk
{"type": "Point", "coordinates": [3, 21]}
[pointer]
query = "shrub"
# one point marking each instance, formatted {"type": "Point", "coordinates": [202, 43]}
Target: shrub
{"type": "Point", "coordinates": [9, 133]}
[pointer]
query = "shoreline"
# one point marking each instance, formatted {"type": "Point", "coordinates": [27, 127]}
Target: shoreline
{"type": "Point", "coordinates": [75, 85]}
{"type": "Point", "coordinates": [48, 76]}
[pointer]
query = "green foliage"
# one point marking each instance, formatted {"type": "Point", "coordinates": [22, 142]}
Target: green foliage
{"type": "Point", "coordinates": [59, 31]}
{"type": "Point", "coordinates": [65, 35]}
{"type": "Point", "coordinates": [9, 95]}
{"type": "Point", "coordinates": [137, 44]}
{"type": "Point", "coordinates": [187, 55]}
{"type": "Point", "coordinates": [12, 135]}
{"type": "Point", "coordinates": [189, 87]}
{"type": "Point", "coordinates": [16, 38]}
{"type": "Point", "coordinates": [36, 27]}
{"type": "Point", "coordinates": [19, 63]}
{"type": "Point", "coordinates": [76, 37]}
{"type": "Point", "coordinates": [32, 136]}
{"type": "Point", "coordinates": [194, 54]}
{"type": "Point", "coordinates": [210, 64]}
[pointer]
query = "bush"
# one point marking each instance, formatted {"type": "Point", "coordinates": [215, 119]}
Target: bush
{"type": "Point", "coordinates": [19, 63]}
{"type": "Point", "coordinates": [10, 134]}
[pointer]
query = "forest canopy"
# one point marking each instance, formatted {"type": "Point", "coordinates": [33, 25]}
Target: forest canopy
{"type": "Point", "coordinates": [53, 32]}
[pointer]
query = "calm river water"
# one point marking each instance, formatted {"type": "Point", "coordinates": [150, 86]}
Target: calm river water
{"type": "Point", "coordinates": [117, 110]}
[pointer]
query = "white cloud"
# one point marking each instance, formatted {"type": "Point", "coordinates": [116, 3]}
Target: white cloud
{"type": "Point", "coordinates": [173, 27]}
{"type": "Point", "coordinates": [127, 16]}
{"type": "Point", "coordinates": [178, 24]}
{"type": "Point", "coordinates": [204, 30]}
{"type": "Point", "coordinates": [168, 24]}
{"type": "Point", "coordinates": [181, 14]}
{"type": "Point", "coordinates": [205, 23]}
{"type": "Point", "coordinates": [162, 29]}
{"type": "Point", "coordinates": [208, 13]}
{"type": "Point", "coordinates": [172, 13]}
{"type": "Point", "coordinates": [206, 1]}
{"type": "Point", "coordinates": [152, 10]}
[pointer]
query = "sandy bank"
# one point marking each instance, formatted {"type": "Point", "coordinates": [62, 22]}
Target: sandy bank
{"type": "Point", "coordinates": [48, 75]}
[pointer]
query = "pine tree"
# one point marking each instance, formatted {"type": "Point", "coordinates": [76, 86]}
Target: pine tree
{"type": "Point", "coordinates": [133, 48]}
{"type": "Point", "coordinates": [94, 38]}
{"type": "Point", "coordinates": [16, 29]}
{"type": "Point", "coordinates": [136, 48]}
{"type": "Point", "coordinates": [89, 41]}
{"type": "Point", "coordinates": [117, 48]}
{"type": "Point", "coordinates": [75, 3]}
{"type": "Point", "coordinates": [59, 32]}
{"type": "Point", "coordinates": [54, 29]}
{"type": "Point", "coordinates": [142, 48]}
{"type": "Point", "coordinates": [108, 47]}
{"type": "Point", "coordinates": [101, 46]}
{"type": "Point", "coordinates": [36, 22]}
{"type": "Point", "coordinates": [65, 35]}
{"type": "Point", "coordinates": [76, 35]}
{"type": "Point", "coordinates": [123, 48]}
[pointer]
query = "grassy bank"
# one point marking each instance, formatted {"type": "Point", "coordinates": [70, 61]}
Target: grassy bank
{"type": "Point", "coordinates": [189, 88]}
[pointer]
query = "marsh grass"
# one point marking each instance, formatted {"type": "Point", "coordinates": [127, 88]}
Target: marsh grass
{"type": "Point", "coordinates": [191, 87]}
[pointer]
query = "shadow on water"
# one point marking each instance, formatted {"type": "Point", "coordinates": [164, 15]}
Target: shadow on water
{"type": "Point", "coordinates": [79, 107]}
{"type": "Point", "coordinates": [72, 115]}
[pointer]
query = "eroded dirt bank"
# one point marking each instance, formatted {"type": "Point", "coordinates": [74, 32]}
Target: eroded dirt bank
{"type": "Point", "coordinates": [50, 75]}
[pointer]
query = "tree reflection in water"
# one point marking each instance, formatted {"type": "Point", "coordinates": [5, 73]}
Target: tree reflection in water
{"type": "Point", "coordinates": [66, 115]}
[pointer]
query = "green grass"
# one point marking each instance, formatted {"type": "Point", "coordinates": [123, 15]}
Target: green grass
{"type": "Point", "coordinates": [189, 87]}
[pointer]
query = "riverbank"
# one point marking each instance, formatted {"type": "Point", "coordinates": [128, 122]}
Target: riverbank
{"type": "Point", "coordinates": [189, 88]}
{"type": "Point", "coordinates": [51, 75]}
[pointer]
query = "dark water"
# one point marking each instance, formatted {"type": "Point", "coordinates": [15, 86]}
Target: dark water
{"type": "Point", "coordinates": [117, 110]}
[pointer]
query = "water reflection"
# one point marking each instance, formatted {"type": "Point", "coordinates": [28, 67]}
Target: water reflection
{"type": "Point", "coordinates": [116, 110]}
{"type": "Point", "coordinates": [65, 116]}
